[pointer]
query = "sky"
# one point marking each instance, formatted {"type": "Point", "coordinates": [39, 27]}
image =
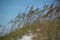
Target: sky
{"type": "Point", "coordinates": [11, 8]}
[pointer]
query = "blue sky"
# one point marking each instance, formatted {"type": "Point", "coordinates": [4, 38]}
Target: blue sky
{"type": "Point", "coordinates": [11, 8]}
